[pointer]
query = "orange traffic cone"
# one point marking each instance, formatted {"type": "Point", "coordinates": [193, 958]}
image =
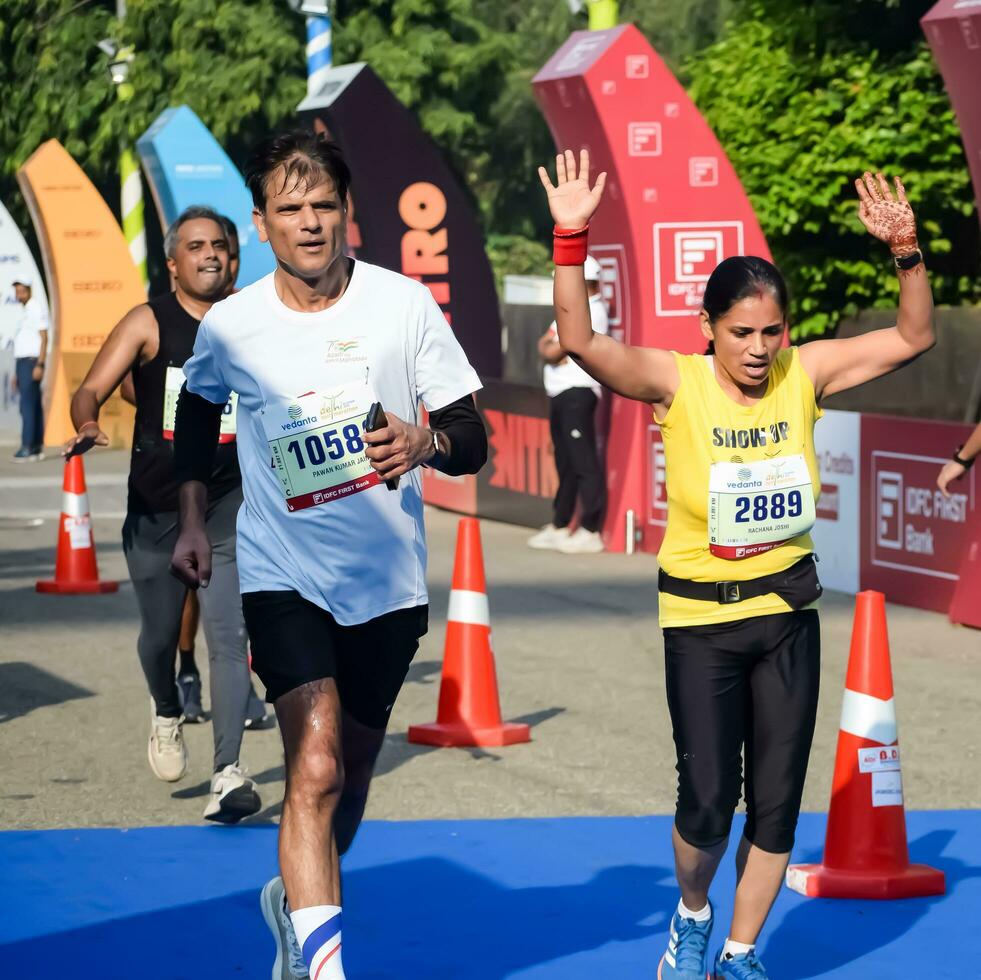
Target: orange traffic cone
{"type": "Point", "coordinates": [76, 572]}
{"type": "Point", "coordinates": [469, 711]}
{"type": "Point", "coordinates": [865, 851]}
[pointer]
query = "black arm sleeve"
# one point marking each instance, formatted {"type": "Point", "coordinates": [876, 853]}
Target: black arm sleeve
{"type": "Point", "coordinates": [195, 437]}
{"type": "Point", "coordinates": [464, 427]}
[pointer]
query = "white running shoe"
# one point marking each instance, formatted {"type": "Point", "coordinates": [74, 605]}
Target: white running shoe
{"type": "Point", "coordinates": [549, 538]}
{"type": "Point", "coordinates": [233, 796]}
{"type": "Point", "coordinates": [289, 960]}
{"type": "Point", "coordinates": [166, 751]}
{"type": "Point", "coordinates": [582, 542]}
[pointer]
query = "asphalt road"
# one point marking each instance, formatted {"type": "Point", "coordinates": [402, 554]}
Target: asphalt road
{"type": "Point", "coordinates": [579, 656]}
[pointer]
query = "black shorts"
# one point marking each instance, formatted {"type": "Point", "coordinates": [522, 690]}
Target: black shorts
{"type": "Point", "coordinates": [294, 642]}
{"type": "Point", "coordinates": [749, 686]}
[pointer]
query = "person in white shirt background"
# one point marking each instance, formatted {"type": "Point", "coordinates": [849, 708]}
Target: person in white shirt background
{"type": "Point", "coordinates": [572, 399]}
{"type": "Point", "coordinates": [30, 343]}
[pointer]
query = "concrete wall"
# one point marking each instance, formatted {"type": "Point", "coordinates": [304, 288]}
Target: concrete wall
{"type": "Point", "coordinates": [943, 385]}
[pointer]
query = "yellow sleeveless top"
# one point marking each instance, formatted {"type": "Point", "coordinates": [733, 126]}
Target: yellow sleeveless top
{"type": "Point", "coordinates": [704, 426]}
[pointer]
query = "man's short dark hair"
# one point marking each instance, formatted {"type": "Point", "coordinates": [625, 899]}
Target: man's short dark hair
{"type": "Point", "coordinates": [192, 213]}
{"type": "Point", "coordinates": [305, 155]}
{"type": "Point", "coordinates": [231, 233]}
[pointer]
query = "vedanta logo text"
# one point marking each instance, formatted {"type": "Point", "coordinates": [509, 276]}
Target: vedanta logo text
{"type": "Point", "coordinates": [299, 423]}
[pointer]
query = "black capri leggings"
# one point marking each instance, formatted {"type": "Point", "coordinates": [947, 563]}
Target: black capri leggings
{"type": "Point", "coordinates": [753, 683]}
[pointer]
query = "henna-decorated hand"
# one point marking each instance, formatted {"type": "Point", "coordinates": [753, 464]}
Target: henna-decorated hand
{"type": "Point", "coordinates": [889, 219]}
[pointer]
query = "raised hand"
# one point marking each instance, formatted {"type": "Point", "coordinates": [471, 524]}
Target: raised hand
{"type": "Point", "coordinates": [570, 199]}
{"type": "Point", "coordinates": [887, 217]}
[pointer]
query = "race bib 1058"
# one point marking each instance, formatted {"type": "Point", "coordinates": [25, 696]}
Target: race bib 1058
{"type": "Point", "coordinates": [755, 507]}
{"type": "Point", "coordinates": [316, 447]}
{"type": "Point", "coordinates": [173, 382]}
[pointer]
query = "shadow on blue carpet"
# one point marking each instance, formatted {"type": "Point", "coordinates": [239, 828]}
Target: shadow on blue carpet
{"type": "Point", "coordinates": [446, 900]}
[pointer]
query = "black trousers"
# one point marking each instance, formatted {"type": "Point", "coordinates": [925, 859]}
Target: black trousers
{"type": "Point", "coordinates": [572, 423]}
{"type": "Point", "coordinates": [749, 687]}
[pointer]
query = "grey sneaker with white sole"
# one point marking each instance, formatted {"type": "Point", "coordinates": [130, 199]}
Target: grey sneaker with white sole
{"type": "Point", "coordinates": [289, 959]}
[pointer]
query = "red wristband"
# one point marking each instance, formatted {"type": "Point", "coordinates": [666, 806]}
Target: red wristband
{"type": "Point", "coordinates": [569, 245]}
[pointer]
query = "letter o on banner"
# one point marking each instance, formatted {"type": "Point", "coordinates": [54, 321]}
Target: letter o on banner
{"type": "Point", "coordinates": [422, 206]}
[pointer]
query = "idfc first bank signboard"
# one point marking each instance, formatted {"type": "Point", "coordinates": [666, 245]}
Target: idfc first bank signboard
{"type": "Point", "coordinates": [913, 537]}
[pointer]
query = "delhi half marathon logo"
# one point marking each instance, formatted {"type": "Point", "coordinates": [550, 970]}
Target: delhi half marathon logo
{"type": "Point", "coordinates": [295, 411]}
{"type": "Point", "coordinates": [777, 476]}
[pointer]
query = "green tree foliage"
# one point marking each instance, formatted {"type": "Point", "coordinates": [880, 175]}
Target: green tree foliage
{"type": "Point", "coordinates": [803, 103]}
{"type": "Point", "coordinates": [239, 65]}
{"type": "Point", "coordinates": [51, 85]}
{"type": "Point", "coordinates": [803, 97]}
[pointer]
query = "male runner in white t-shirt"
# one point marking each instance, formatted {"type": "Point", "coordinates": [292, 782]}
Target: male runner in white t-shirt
{"type": "Point", "coordinates": [331, 542]}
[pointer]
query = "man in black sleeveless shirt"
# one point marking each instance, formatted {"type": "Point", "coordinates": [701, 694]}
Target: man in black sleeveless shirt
{"type": "Point", "coordinates": [154, 340]}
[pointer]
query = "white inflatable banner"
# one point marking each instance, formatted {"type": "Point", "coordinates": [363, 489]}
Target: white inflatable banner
{"type": "Point", "coordinates": [16, 261]}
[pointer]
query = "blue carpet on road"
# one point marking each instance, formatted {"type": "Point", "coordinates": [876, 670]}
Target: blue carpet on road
{"type": "Point", "coordinates": [455, 900]}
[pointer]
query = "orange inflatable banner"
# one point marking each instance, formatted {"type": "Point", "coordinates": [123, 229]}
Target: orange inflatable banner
{"type": "Point", "coordinates": [92, 281]}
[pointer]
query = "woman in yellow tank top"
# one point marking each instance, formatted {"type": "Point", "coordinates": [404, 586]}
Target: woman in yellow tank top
{"type": "Point", "coordinates": [738, 585]}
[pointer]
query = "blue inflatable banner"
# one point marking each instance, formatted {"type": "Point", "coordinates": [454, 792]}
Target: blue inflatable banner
{"type": "Point", "coordinates": [185, 165]}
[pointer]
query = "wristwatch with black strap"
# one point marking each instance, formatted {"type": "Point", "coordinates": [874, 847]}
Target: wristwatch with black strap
{"type": "Point", "coordinates": [906, 262]}
{"type": "Point", "coordinates": [966, 463]}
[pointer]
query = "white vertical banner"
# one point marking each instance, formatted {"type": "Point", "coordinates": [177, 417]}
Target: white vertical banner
{"type": "Point", "coordinates": [16, 261]}
{"type": "Point", "coordinates": [838, 443]}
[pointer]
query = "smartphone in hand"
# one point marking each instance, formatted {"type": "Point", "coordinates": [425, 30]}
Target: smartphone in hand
{"type": "Point", "coordinates": [377, 419]}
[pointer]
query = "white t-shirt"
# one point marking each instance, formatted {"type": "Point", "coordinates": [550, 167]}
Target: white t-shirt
{"type": "Point", "coordinates": [315, 519]}
{"type": "Point", "coordinates": [31, 319]}
{"type": "Point", "coordinates": [561, 377]}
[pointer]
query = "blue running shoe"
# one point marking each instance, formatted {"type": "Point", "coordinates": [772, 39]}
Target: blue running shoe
{"type": "Point", "coordinates": [189, 695]}
{"type": "Point", "coordinates": [686, 957]}
{"type": "Point", "coordinates": [746, 966]}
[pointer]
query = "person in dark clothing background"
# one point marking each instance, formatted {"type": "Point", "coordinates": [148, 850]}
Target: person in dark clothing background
{"type": "Point", "coordinates": [572, 398]}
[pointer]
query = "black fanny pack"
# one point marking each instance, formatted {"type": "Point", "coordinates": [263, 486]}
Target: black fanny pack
{"type": "Point", "coordinates": [798, 586]}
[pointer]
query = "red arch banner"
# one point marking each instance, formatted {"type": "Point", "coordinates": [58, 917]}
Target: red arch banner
{"type": "Point", "coordinates": [953, 28]}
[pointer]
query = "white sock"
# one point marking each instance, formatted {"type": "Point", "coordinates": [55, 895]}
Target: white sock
{"type": "Point", "coordinates": [702, 915]}
{"type": "Point", "coordinates": [732, 948]}
{"type": "Point", "coordinates": [318, 931]}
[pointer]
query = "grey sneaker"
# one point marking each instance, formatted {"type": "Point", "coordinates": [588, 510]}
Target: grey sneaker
{"type": "Point", "coordinates": [233, 796]}
{"type": "Point", "coordinates": [166, 751]}
{"type": "Point", "coordinates": [289, 960]}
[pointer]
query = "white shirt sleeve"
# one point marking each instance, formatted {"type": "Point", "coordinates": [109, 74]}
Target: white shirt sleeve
{"type": "Point", "coordinates": [204, 370]}
{"type": "Point", "coordinates": [442, 372]}
{"type": "Point", "coordinates": [598, 315]}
